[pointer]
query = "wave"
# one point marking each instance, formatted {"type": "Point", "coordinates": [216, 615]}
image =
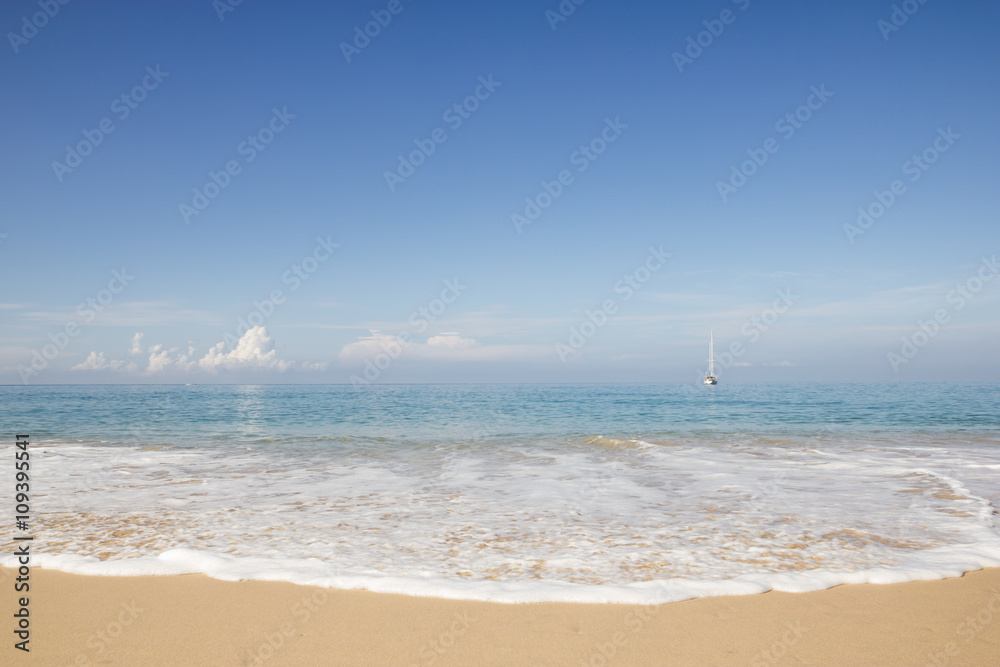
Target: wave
{"type": "Point", "coordinates": [933, 564]}
{"type": "Point", "coordinates": [614, 443]}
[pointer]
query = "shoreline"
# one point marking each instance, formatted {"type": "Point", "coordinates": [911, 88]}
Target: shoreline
{"type": "Point", "coordinates": [193, 619]}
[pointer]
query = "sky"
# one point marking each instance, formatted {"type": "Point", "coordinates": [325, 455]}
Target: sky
{"type": "Point", "coordinates": [414, 191]}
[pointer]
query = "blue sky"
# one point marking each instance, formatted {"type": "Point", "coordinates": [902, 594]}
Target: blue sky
{"type": "Point", "coordinates": [502, 300]}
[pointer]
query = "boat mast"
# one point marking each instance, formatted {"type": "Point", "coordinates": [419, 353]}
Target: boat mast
{"type": "Point", "coordinates": [711, 353]}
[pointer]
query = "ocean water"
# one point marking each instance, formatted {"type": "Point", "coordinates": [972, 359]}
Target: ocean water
{"type": "Point", "coordinates": [639, 493]}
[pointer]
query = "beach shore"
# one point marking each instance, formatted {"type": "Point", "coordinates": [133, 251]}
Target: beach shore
{"type": "Point", "coordinates": [195, 620]}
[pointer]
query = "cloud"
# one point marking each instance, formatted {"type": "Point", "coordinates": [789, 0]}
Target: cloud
{"type": "Point", "coordinates": [450, 341]}
{"type": "Point", "coordinates": [136, 347]}
{"type": "Point", "coordinates": [254, 350]}
{"type": "Point", "coordinates": [367, 347]}
{"type": "Point", "coordinates": [159, 359]}
{"type": "Point", "coordinates": [127, 313]}
{"type": "Point", "coordinates": [494, 322]}
{"type": "Point", "coordinates": [449, 346]}
{"type": "Point", "coordinates": [318, 366]}
{"type": "Point", "coordinates": [96, 361]}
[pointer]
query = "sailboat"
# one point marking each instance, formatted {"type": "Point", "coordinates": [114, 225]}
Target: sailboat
{"type": "Point", "coordinates": [710, 376]}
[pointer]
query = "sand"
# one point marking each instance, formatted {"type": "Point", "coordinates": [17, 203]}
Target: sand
{"type": "Point", "coordinates": [195, 620]}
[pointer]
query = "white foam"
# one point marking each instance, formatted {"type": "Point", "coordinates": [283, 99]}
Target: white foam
{"type": "Point", "coordinates": [937, 564]}
{"type": "Point", "coordinates": [574, 520]}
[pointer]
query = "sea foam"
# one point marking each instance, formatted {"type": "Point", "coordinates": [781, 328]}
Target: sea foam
{"type": "Point", "coordinates": [520, 520]}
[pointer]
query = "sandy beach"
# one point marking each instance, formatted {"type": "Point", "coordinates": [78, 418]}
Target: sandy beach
{"type": "Point", "coordinates": [195, 620]}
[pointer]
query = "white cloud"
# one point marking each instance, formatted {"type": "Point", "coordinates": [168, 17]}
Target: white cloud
{"type": "Point", "coordinates": [366, 347]}
{"type": "Point", "coordinates": [128, 313]}
{"type": "Point", "coordinates": [159, 359]}
{"type": "Point", "coordinates": [96, 361]}
{"type": "Point", "coordinates": [318, 367]}
{"type": "Point", "coordinates": [450, 341]}
{"type": "Point", "coordinates": [254, 350]}
{"type": "Point", "coordinates": [449, 346]}
{"type": "Point", "coordinates": [136, 347]}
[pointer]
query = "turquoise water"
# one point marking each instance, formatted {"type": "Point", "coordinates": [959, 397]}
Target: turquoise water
{"type": "Point", "coordinates": [200, 415]}
{"type": "Point", "coordinates": [596, 492]}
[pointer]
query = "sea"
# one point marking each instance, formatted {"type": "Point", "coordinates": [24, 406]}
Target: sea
{"type": "Point", "coordinates": [623, 493]}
